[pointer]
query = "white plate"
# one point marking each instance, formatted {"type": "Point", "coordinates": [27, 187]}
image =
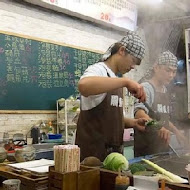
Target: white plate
{"type": "Point", "coordinates": [41, 165]}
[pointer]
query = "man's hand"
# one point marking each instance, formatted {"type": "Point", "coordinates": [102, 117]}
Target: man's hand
{"type": "Point", "coordinates": [140, 124]}
{"type": "Point", "coordinates": [136, 90]}
{"type": "Point", "coordinates": [164, 134]}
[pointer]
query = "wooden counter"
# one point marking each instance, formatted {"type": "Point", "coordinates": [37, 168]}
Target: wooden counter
{"type": "Point", "coordinates": [28, 181]}
{"type": "Point", "coordinates": [106, 179]}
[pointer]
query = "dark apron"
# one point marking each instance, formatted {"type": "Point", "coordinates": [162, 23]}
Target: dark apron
{"type": "Point", "coordinates": [148, 142]}
{"type": "Point", "coordinates": [100, 130]}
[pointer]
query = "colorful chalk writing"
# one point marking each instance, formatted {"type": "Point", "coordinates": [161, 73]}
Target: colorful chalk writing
{"type": "Point", "coordinates": [34, 74]}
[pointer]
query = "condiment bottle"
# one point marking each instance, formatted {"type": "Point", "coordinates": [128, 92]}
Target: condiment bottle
{"type": "Point", "coordinates": [51, 128]}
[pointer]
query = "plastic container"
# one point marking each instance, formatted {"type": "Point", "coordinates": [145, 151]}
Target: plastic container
{"type": "Point", "coordinates": [54, 136]}
{"type": "Point", "coordinates": [11, 184]}
{"type": "Point", "coordinates": [53, 141]}
{"type": "Point", "coordinates": [126, 135]}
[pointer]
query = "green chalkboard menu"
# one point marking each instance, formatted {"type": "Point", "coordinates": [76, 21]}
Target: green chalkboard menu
{"type": "Point", "coordinates": [35, 73]}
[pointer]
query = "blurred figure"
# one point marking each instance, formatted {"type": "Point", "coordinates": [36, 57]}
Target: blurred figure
{"type": "Point", "coordinates": [155, 82]}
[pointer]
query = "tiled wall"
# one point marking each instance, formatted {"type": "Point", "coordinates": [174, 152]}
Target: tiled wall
{"type": "Point", "coordinates": [21, 123]}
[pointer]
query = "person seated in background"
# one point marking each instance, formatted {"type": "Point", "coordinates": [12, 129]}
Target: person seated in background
{"type": "Point", "coordinates": [101, 124]}
{"type": "Point", "coordinates": [155, 86]}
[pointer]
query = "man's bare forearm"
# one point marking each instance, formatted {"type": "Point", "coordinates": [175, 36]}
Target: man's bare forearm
{"type": "Point", "coordinates": [142, 114]}
{"type": "Point", "coordinates": [98, 85]}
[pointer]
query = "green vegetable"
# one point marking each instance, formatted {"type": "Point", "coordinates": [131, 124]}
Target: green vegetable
{"type": "Point", "coordinates": [136, 167]}
{"type": "Point", "coordinates": [173, 177]}
{"type": "Point", "coordinates": [115, 161]}
{"type": "Point", "coordinates": [153, 125]}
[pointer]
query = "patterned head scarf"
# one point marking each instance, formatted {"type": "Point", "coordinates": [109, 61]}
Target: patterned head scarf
{"type": "Point", "coordinates": [167, 58]}
{"type": "Point", "coordinates": [133, 44]}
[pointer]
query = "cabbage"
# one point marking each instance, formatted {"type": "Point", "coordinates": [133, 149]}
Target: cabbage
{"type": "Point", "coordinates": [116, 161]}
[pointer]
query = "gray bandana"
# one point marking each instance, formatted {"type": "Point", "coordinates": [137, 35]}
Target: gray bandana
{"type": "Point", "coordinates": [133, 44]}
{"type": "Point", "coordinates": [167, 58]}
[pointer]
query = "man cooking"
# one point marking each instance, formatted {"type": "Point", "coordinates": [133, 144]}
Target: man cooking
{"type": "Point", "coordinates": [101, 124]}
{"type": "Point", "coordinates": [155, 85]}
